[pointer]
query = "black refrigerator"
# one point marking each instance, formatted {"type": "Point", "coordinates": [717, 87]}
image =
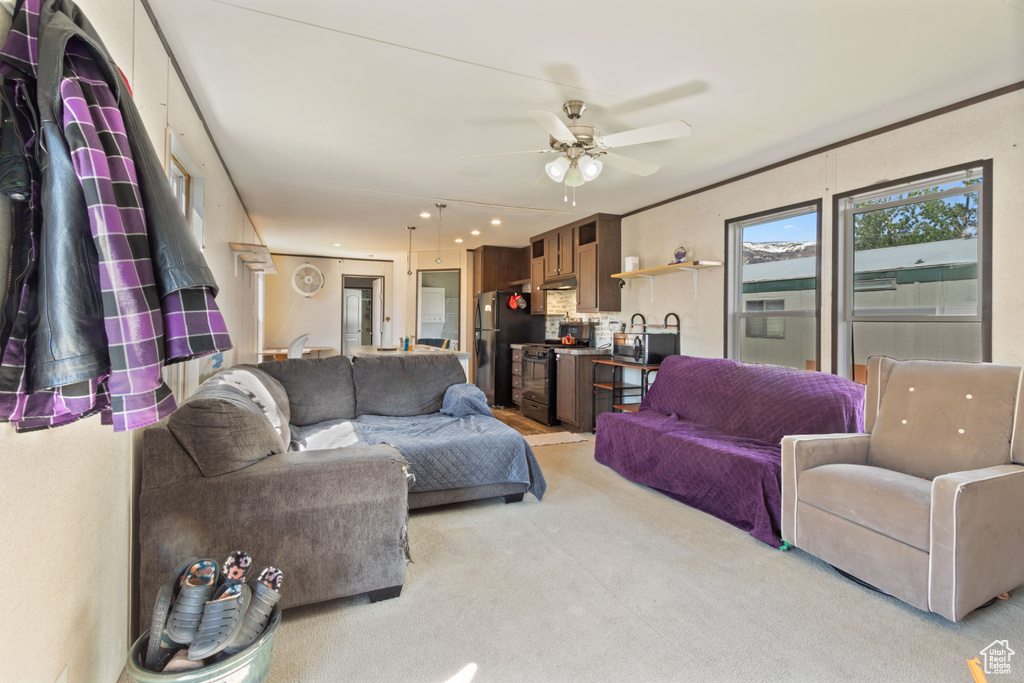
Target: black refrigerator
{"type": "Point", "coordinates": [496, 324]}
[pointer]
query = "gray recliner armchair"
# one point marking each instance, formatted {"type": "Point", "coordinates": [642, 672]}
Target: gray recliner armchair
{"type": "Point", "coordinates": [928, 505]}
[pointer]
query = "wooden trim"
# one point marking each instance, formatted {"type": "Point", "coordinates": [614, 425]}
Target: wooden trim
{"type": "Point", "coordinates": [335, 258]}
{"type": "Point", "coordinates": [999, 92]}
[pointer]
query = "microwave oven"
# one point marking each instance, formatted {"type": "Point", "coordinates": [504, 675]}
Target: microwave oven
{"type": "Point", "coordinates": [644, 348]}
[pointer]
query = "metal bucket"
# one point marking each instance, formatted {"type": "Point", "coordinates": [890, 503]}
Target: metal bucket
{"type": "Point", "coordinates": [248, 666]}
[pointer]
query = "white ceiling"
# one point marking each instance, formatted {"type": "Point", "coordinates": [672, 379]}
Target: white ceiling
{"type": "Point", "coordinates": [341, 121]}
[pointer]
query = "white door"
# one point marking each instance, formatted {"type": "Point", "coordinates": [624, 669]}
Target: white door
{"type": "Point", "coordinates": [378, 310]}
{"type": "Point", "coordinates": [353, 307]}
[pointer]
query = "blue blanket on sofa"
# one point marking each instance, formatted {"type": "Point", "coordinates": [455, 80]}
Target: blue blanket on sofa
{"type": "Point", "coordinates": [463, 445]}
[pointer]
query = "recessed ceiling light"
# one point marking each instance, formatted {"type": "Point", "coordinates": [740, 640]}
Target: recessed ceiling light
{"type": "Point", "coordinates": [458, 239]}
{"type": "Point", "coordinates": [475, 232]}
{"type": "Point", "coordinates": [424, 215]}
{"type": "Point", "coordinates": [496, 222]}
{"type": "Point", "coordinates": [337, 244]}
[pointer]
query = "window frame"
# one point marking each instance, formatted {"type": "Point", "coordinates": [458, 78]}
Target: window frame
{"type": "Point", "coordinates": [843, 316]}
{"type": "Point", "coordinates": [734, 309]}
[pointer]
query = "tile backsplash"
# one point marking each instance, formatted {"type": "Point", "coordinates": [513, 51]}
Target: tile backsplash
{"type": "Point", "coordinates": [561, 305]}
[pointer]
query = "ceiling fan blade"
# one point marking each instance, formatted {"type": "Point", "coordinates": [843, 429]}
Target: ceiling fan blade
{"type": "Point", "coordinates": [627, 164]}
{"type": "Point", "coordinates": [554, 126]}
{"type": "Point", "coordinates": [499, 154]}
{"type": "Point", "coordinates": [637, 136]}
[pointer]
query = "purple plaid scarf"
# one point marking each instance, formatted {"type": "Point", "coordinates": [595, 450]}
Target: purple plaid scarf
{"type": "Point", "coordinates": [143, 332]}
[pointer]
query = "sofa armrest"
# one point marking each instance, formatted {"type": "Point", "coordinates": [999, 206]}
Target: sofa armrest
{"type": "Point", "coordinates": [334, 521]}
{"type": "Point", "coordinates": [805, 451]}
{"type": "Point", "coordinates": [977, 538]}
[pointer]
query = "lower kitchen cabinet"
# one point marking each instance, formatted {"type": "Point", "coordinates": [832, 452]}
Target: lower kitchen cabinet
{"type": "Point", "coordinates": [517, 376]}
{"type": "Point", "coordinates": [574, 404]}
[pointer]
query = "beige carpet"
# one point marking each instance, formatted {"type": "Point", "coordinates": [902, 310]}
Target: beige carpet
{"type": "Point", "coordinates": [607, 581]}
{"type": "Point", "coordinates": [552, 439]}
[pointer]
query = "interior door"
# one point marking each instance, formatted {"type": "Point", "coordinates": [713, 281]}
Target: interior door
{"type": "Point", "coordinates": [378, 311]}
{"type": "Point", "coordinates": [353, 307]}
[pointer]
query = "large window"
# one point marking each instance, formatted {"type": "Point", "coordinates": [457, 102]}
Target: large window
{"type": "Point", "coordinates": [772, 299]}
{"type": "Point", "coordinates": [913, 262]}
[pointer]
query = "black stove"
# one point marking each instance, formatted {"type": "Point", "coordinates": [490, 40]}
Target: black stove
{"type": "Point", "coordinates": [540, 380]}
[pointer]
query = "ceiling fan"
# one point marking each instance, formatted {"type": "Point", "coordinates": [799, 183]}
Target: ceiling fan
{"type": "Point", "coordinates": [585, 151]}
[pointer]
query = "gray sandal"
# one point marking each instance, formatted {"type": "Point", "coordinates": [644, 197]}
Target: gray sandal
{"type": "Point", "coordinates": [197, 586]}
{"type": "Point", "coordinates": [266, 589]}
{"type": "Point", "coordinates": [222, 620]}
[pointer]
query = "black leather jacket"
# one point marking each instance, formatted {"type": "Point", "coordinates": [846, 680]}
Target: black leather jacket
{"type": "Point", "coordinates": [67, 341]}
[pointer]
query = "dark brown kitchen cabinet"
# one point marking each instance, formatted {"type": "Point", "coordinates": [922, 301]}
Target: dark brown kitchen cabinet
{"type": "Point", "coordinates": [517, 376]}
{"type": "Point", "coordinates": [495, 267]}
{"type": "Point", "coordinates": [598, 255]}
{"type": "Point", "coordinates": [560, 253]}
{"type": "Point", "coordinates": [538, 297]}
{"type": "Point", "coordinates": [574, 407]}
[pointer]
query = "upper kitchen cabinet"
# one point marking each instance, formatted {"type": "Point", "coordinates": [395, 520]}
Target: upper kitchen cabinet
{"type": "Point", "coordinates": [598, 256]}
{"type": "Point", "coordinates": [559, 253]}
{"type": "Point", "coordinates": [495, 267]}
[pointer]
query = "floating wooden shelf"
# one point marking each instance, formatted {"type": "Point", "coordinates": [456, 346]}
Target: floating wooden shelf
{"type": "Point", "coordinates": [691, 266]}
{"type": "Point", "coordinates": [685, 265]}
{"type": "Point", "coordinates": [627, 407]}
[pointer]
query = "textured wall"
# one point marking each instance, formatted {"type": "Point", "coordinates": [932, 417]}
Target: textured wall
{"type": "Point", "coordinates": [66, 495]}
{"type": "Point", "coordinates": [991, 129]}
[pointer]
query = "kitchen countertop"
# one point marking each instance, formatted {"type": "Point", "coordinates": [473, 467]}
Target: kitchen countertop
{"type": "Point", "coordinates": [414, 350]}
{"type": "Point", "coordinates": [583, 351]}
{"type": "Point", "coordinates": [573, 350]}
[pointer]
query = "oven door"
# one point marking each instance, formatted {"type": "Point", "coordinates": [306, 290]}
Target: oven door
{"type": "Point", "coordinates": [536, 362]}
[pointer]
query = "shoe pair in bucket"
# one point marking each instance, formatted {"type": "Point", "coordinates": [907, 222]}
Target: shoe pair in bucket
{"type": "Point", "coordinates": [216, 610]}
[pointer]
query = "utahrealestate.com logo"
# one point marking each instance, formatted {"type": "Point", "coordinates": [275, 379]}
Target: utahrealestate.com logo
{"type": "Point", "coordinates": [996, 658]}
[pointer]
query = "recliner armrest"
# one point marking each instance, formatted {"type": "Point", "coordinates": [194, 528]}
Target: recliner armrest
{"type": "Point", "coordinates": [804, 451]}
{"type": "Point", "coordinates": [977, 538]}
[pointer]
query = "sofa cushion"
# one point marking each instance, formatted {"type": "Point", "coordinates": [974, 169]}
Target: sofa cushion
{"type": "Point", "coordinates": [764, 402]}
{"type": "Point", "coordinates": [266, 392]}
{"type": "Point", "coordinates": [319, 389]}
{"type": "Point", "coordinates": [935, 418]}
{"type": "Point", "coordinates": [402, 386]}
{"type": "Point", "coordinates": [891, 503]}
{"type": "Point", "coordinates": [223, 430]}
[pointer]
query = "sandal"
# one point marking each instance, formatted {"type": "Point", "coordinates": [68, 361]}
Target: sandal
{"type": "Point", "coordinates": [197, 586]}
{"type": "Point", "coordinates": [159, 645]}
{"type": "Point", "coordinates": [236, 567]}
{"type": "Point", "coordinates": [266, 591]}
{"type": "Point", "coordinates": [222, 620]}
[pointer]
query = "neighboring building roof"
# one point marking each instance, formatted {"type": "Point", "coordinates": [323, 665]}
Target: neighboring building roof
{"type": "Point", "coordinates": [929, 254]}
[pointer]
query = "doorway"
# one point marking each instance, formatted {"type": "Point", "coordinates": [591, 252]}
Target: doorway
{"type": "Point", "coordinates": [437, 308]}
{"type": "Point", "coordinates": [362, 311]}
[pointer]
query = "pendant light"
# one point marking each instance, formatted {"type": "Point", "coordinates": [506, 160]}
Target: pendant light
{"type": "Point", "coordinates": [440, 208]}
{"type": "Point", "coordinates": [410, 228]}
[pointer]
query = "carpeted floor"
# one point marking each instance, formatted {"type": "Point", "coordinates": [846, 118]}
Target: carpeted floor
{"type": "Point", "coordinates": [608, 581]}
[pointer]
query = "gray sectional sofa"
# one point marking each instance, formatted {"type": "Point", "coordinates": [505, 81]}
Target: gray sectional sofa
{"type": "Point", "coordinates": [313, 464]}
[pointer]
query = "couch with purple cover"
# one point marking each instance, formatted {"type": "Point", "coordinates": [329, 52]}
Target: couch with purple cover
{"type": "Point", "coordinates": [709, 434]}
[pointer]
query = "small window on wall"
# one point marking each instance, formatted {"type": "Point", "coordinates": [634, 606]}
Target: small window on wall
{"type": "Point", "coordinates": [768, 328]}
{"type": "Point", "coordinates": [772, 287]}
{"type": "Point", "coordinates": [187, 185]}
{"type": "Point", "coordinates": [914, 254]}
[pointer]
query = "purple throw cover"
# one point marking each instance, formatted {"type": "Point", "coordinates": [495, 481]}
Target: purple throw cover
{"type": "Point", "coordinates": [709, 433]}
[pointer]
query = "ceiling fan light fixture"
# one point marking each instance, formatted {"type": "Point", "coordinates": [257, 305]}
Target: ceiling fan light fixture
{"type": "Point", "coordinates": [590, 166]}
{"type": "Point", "coordinates": [574, 176]}
{"type": "Point", "coordinates": [556, 169]}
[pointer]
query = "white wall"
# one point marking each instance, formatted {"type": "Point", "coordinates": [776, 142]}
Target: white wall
{"type": "Point", "coordinates": [66, 494]}
{"type": "Point", "coordinates": [991, 129]}
{"type": "Point", "coordinates": [287, 314]}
